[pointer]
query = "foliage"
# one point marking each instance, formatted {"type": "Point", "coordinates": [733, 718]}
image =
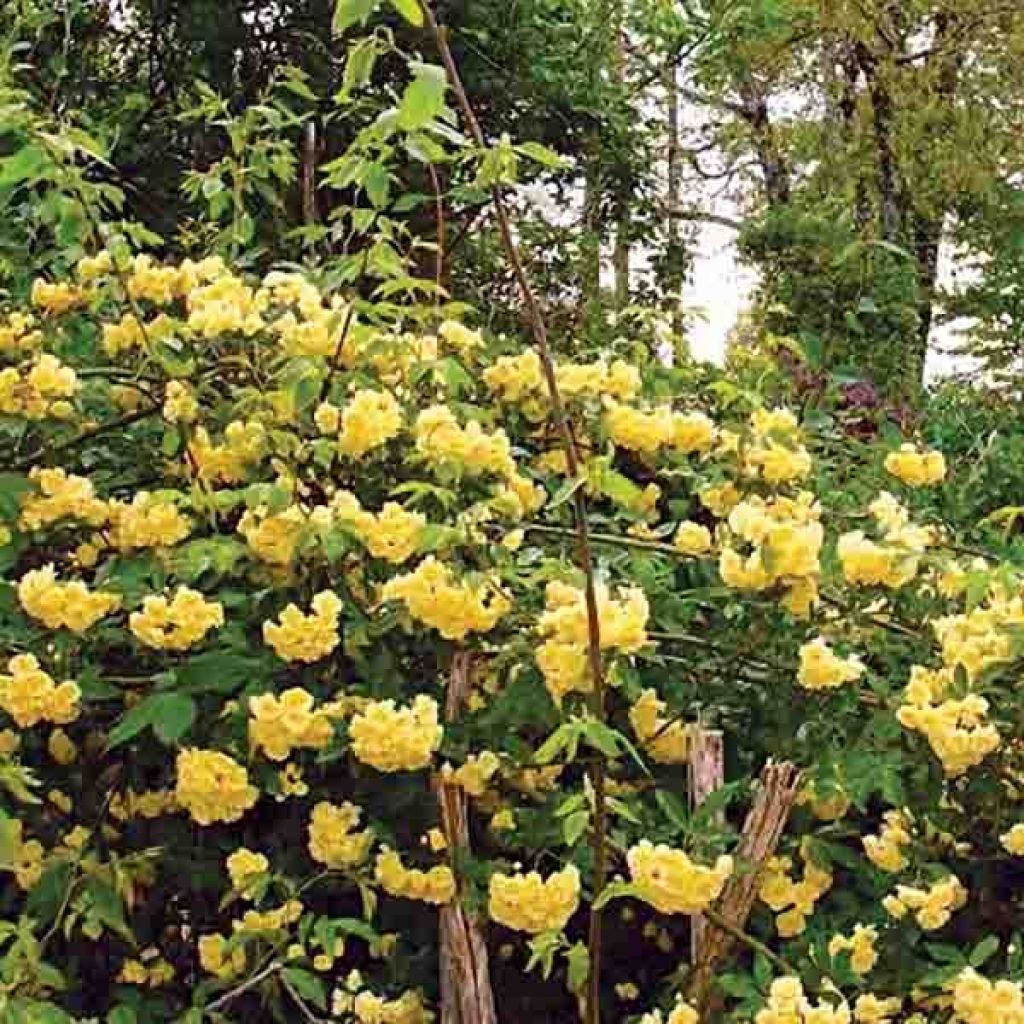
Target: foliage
{"type": "Point", "coordinates": [259, 509]}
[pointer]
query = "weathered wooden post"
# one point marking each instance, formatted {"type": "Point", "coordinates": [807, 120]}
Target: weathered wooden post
{"type": "Point", "coordinates": [466, 995]}
{"type": "Point", "coordinates": [774, 796]}
{"type": "Point", "coordinates": [706, 773]}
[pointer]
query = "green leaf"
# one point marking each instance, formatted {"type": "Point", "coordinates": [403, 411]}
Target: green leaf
{"type": "Point", "coordinates": [107, 908]}
{"type": "Point", "coordinates": [174, 718]}
{"type": "Point", "coordinates": [423, 98]}
{"type": "Point", "coordinates": [613, 891]}
{"type": "Point", "coordinates": [566, 491]}
{"type": "Point", "coordinates": [577, 959]}
{"type": "Point", "coordinates": [350, 12]}
{"type": "Point", "coordinates": [221, 672]}
{"type": "Point", "coordinates": [541, 154]}
{"type": "Point", "coordinates": [307, 985]}
{"type": "Point", "coordinates": [983, 951]}
{"type": "Point", "coordinates": [122, 1014]}
{"type": "Point", "coordinates": [169, 714]}
{"type": "Point", "coordinates": [377, 183]}
{"type": "Point", "coordinates": [23, 165]}
{"type": "Point", "coordinates": [574, 826]}
{"type": "Point", "coordinates": [410, 10]}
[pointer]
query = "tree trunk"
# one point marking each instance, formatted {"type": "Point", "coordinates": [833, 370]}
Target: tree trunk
{"type": "Point", "coordinates": [620, 254]}
{"type": "Point", "coordinates": [673, 197]}
{"type": "Point", "coordinates": [590, 243]}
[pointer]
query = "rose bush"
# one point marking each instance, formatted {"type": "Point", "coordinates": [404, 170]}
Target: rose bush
{"type": "Point", "coordinates": [247, 527]}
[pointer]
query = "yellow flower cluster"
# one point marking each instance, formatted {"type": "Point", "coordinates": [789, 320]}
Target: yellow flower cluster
{"type": "Point", "coordinates": [229, 462]}
{"type": "Point", "coordinates": [869, 1009]}
{"type": "Point", "coordinates": [530, 903]}
{"type": "Point", "coordinates": [681, 1013]}
{"type": "Point", "coordinates": [442, 441]}
{"type": "Point", "coordinates": [475, 773]}
{"type": "Point", "coordinates": [664, 427]}
{"type": "Point", "coordinates": [792, 900]}
{"type": "Point", "coordinates": [333, 840]}
{"type": "Point", "coordinates": [392, 534]}
{"type": "Point", "coordinates": [932, 907]}
{"type": "Point", "coordinates": [19, 334]}
{"type": "Point", "coordinates": [213, 787]}
{"type": "Point", "coordinates": [273, 537]}
{"type": "Point", "coordinates": [394, 739]}
{"type": "Point", "coordinates": [895, 561]}
{"type": "Point", "coordinates": [269, 920]}
{"type": "Point", "coordinates": [41, 393]}
{"type": "Point", "coordinates": [215, 959]}
{"type": "Point", "coordinates": [454, 609]}
{"type": "Point", "coordinates": [151, 803]}
{"type": "Point", "coordinates": [1013, 840]}
{"type": "Point", "coordinates": [887, 850]}
{"type": "Point", "coordinates": [775, 453]}
{"type": "Point", "coordinates": [244, 867]}
{"type": "Point", "coordinates": [369, 1008]}
{"type": "Point", "coordinates": [692, 539]}
{"type": "Point", "coordinates": [29, 695]}
{"type": "Point", "coordinates": [59, 496]}
{"type": "Point", "coordinates": [916, 468]}
{"type": "Point", "coordinates": [562, 656]}
{"type": "Point", "coordinates": [787, 1004]}
{"type": "Point", "coordinates": [520, 379]}
{"type": "Point", "coordinates": [860, 945]}
{"type": "Point", "coordinates": [827, 803]}
{"type": "Point", "coordinates": [178, 624]}
{"type": "Point", "coordinates": [124, 336]}
{"type": "Point", "coordinates": [278, 725]}
{"type": "Point", "coordinates": [146, 522]}
{"type": "Point", "coordinates": [225, 305]}
{"type": "Point", "coordinates": [437, 885]}
{"type": "Point", "coordinates": [150, 970]}
{"type": "Point", "coordinates": [318, 333]}
{"type": "Point", "coordinates": [982, 638]}
{"type": "Point", "coordinates": [368, 421]}
{"type": "Point", "coordinates": [667, 740]}
{"type": "Point", "coordinates": [28, 856]}
{"type": "Point", "coordinates": [784, 536]}
{"type": "Point", "coordinates": [56, 297]}
{"type": "Point", "coordinates": [299, 637]}
{"type": "Point", "coordinates": [976, 1000]}
{"type": "Point", "coordinates": [55, 604]}
{"type": "Point", "coordinates": [956, 730]}
{"type": "Point", "coordinates": [822, 669]}
{"type": "Point", "coordinates": [671, 882]}
{"type": "Point", "coordinates": [180, 403]}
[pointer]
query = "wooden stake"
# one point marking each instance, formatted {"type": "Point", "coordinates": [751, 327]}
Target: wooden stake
{"type": "Point", "coordinates": [778, 785]}
{"type": "Point", "coordinates": [466, 995]}
{"type": "Point", "coordinates": [706, 774]}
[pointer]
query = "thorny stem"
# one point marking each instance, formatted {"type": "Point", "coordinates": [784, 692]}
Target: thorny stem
{"type": "Point", "coordinates": [584, 555]}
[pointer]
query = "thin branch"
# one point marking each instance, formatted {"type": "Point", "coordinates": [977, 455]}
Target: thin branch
{"type": "Point", "coordinates": [243, 987]}
{"type": "Point", "coordinates": [583, 552]}
{"type": "Point", "coordinates": [749, 940]}
{"type": "Point", "coordinates": [78, 439]}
